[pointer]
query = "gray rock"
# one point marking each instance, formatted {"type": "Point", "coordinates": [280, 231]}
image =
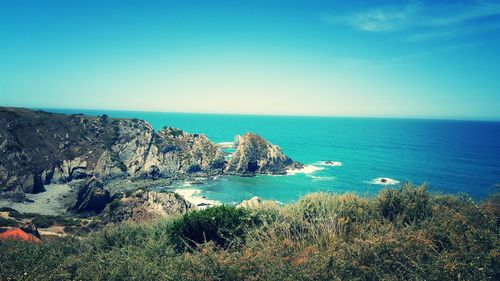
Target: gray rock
{"type": "Point", "coordinates": [92, 197]}
{"type": "Point", "coordinates": [255, 155]}
{"type": "Point", "coordinates": [144, 206]}
{"type": "Point", "coordinates": [39, 148]}
{"type": "Point", "coordinates": [256, 202]}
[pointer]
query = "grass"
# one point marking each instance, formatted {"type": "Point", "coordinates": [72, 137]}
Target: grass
{"type": "Point", "coordinates": [402, 234]}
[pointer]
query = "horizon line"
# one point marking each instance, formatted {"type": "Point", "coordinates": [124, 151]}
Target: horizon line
{"type": "Point", "coordinates": [446, 118]}
{"type": "Point", "coordinates": [415, 117]}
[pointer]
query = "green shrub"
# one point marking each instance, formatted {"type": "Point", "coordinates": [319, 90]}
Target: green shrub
{"type": "Point", "coordinates": [43, 221]}
{"type": "Point", "coordinates": [406, 234]}
{"type": "Point", "coordinates": [48, 221]}
{"type": "Point", "coordinates": [220, 225]}
{"type": "Point", "coordinates": [115, 204]}
{"type": "Point", "coordinates": [7, 222]}
{"type": "Point", "coordinates": [408, 203]}
{"type": "Point", "coordinates": [17, 215]}
{"type": "Point", "coordinates": [8, 209]}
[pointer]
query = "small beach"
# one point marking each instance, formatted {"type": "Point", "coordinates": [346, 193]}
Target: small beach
{"type": "Point", "coordinates": [52, 202]}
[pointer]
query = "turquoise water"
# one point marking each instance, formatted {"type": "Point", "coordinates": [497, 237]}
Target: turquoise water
{"type": "Point", "coordinates": [451, 156]}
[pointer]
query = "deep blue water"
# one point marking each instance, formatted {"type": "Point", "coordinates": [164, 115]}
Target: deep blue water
{"type": "Point", "coordinates": [450, 156]}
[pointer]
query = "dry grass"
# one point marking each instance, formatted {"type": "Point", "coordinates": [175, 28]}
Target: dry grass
{"type": "Point", "coordinates": [404, 234]}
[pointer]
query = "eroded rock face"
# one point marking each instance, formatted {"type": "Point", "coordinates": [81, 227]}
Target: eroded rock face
{"type": "Point", "coordinates": [176, 152]}
{"type": "Point", "coordinates": [92, 197]}
{"type": "Point", "coordinates": [146, 205]}
{"type": "Point", "coordinates": [39, 148]}
{"type": "Point", "coordinates": [255, 155]}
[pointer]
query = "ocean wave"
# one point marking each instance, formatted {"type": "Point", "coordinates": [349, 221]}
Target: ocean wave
{"type": "Point", "coordinates": [226, 144]}
{"type": "Point", "coordinates": [307, 169]}
{"type": "Point", "coordinates": [321, 178]}
{"type": "Point", "coordinates": [384, 181]}
{"type": "Point", "coordinates": [331, 163]}
{"type": "Point", "coordinates": [194, 197]}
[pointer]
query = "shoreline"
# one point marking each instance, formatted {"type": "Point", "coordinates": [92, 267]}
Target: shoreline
{"type": "Point", "coordinates": [52, 202]}
{"type": "Point", "coordinates": [192, 195]}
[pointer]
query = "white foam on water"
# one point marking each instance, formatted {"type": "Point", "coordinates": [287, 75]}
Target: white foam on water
{"type": "Point", "coordinates": [192, 195]}
{"type": "Point", "coordinates": [384, 181]}
{"type": "Point", "coordinates": [307, 169]}
{"type": "Point", "coordinates": [320, 178]}
{"type": "Point", "coordinates": [186, 184]}
{"type": "Point", "coordinates": [226, 144]}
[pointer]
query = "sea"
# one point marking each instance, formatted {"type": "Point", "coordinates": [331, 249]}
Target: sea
{"type": "Point", "coordinates": [344, 154]}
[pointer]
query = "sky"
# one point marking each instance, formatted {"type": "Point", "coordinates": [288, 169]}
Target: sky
{"type": "Point", "coordinates": [429, 59]}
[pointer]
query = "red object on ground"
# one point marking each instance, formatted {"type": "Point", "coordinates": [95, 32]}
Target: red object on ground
{"type": "Point", "coordinates": [18, 234]}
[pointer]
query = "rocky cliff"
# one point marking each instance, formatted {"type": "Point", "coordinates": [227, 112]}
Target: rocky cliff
{"type": "Point", "coordinates": [38, 148]}
{"type": "Point", "coordinates": [255, 155]}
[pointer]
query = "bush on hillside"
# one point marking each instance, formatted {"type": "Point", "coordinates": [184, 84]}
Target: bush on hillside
{"type": "Point", "coordinates": [48, 221]}
{"type": "Point", "coordinates": [7, 222]}
{"type": "Point", "coordinates": [401, 234]}
{"type": "Point", "coordinates": [220, 225]}
{"type": "Point", "coordinates": [408, 203]}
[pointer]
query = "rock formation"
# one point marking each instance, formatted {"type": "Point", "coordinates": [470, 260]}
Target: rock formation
{"type": "Point", "coordinates": [145, 205]}
{"type": "Point", "coordinates": [38, 148]}
{"type": "Point", "coordinates": [256, 202]}
{"type": "Point", "coordinates": [92, 197]}
{"type": "Point", "coordinates": [255, 155]}
{"type": "Point", "coordinates": [250, 203]}
{"type": "Point", "coordinates": [30, 228]}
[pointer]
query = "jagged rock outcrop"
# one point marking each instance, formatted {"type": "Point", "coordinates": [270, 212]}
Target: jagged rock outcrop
{"type": "Point", "coordinates": [145, 205]}
{"type": "Point", "coordinates": [38, 148]}
{"type": "Point", "coordinates": [255, 155]}
{"type": "Point", "coordinates": [175, 152]}
{"type": "Point", "coordinates": [92, 197]}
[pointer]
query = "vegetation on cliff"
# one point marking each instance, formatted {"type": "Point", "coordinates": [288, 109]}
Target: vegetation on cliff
{"type": "Point", "coordinates": [402, 234]}
{"type": "Point", "coordinates": [38, 148]}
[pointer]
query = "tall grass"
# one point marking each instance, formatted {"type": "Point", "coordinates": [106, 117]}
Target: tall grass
{"type": "Point", "coordinates": [402, 234]}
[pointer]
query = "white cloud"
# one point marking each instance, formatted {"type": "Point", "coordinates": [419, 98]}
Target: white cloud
{"type": "Point", "coordinates": [378, 20]}
{"type": "Point", "coordinates": [422, 22]}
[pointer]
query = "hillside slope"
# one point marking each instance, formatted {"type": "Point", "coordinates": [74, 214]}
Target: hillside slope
{"type": "Point", "coordinates": [39, 148]}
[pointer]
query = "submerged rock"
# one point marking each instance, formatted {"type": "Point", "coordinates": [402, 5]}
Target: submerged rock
{"type": "Point", "coordinates": [255, 155]}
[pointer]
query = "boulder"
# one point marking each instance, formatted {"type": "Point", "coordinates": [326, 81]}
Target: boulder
{"type": "Point", "coordinates": [92, 197]}
{"type": "Point", "coordinates": [250, 203]}
{"type": "Point", "coordinates": [30, 228]}
{"type": "Point", "coordinates": [145, 205]}
{"type": "Point", "coordinates": [256, 202]}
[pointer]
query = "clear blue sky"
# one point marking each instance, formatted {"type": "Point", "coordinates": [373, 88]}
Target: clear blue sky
{"type": "Point", "coordinates": [367, 58]}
